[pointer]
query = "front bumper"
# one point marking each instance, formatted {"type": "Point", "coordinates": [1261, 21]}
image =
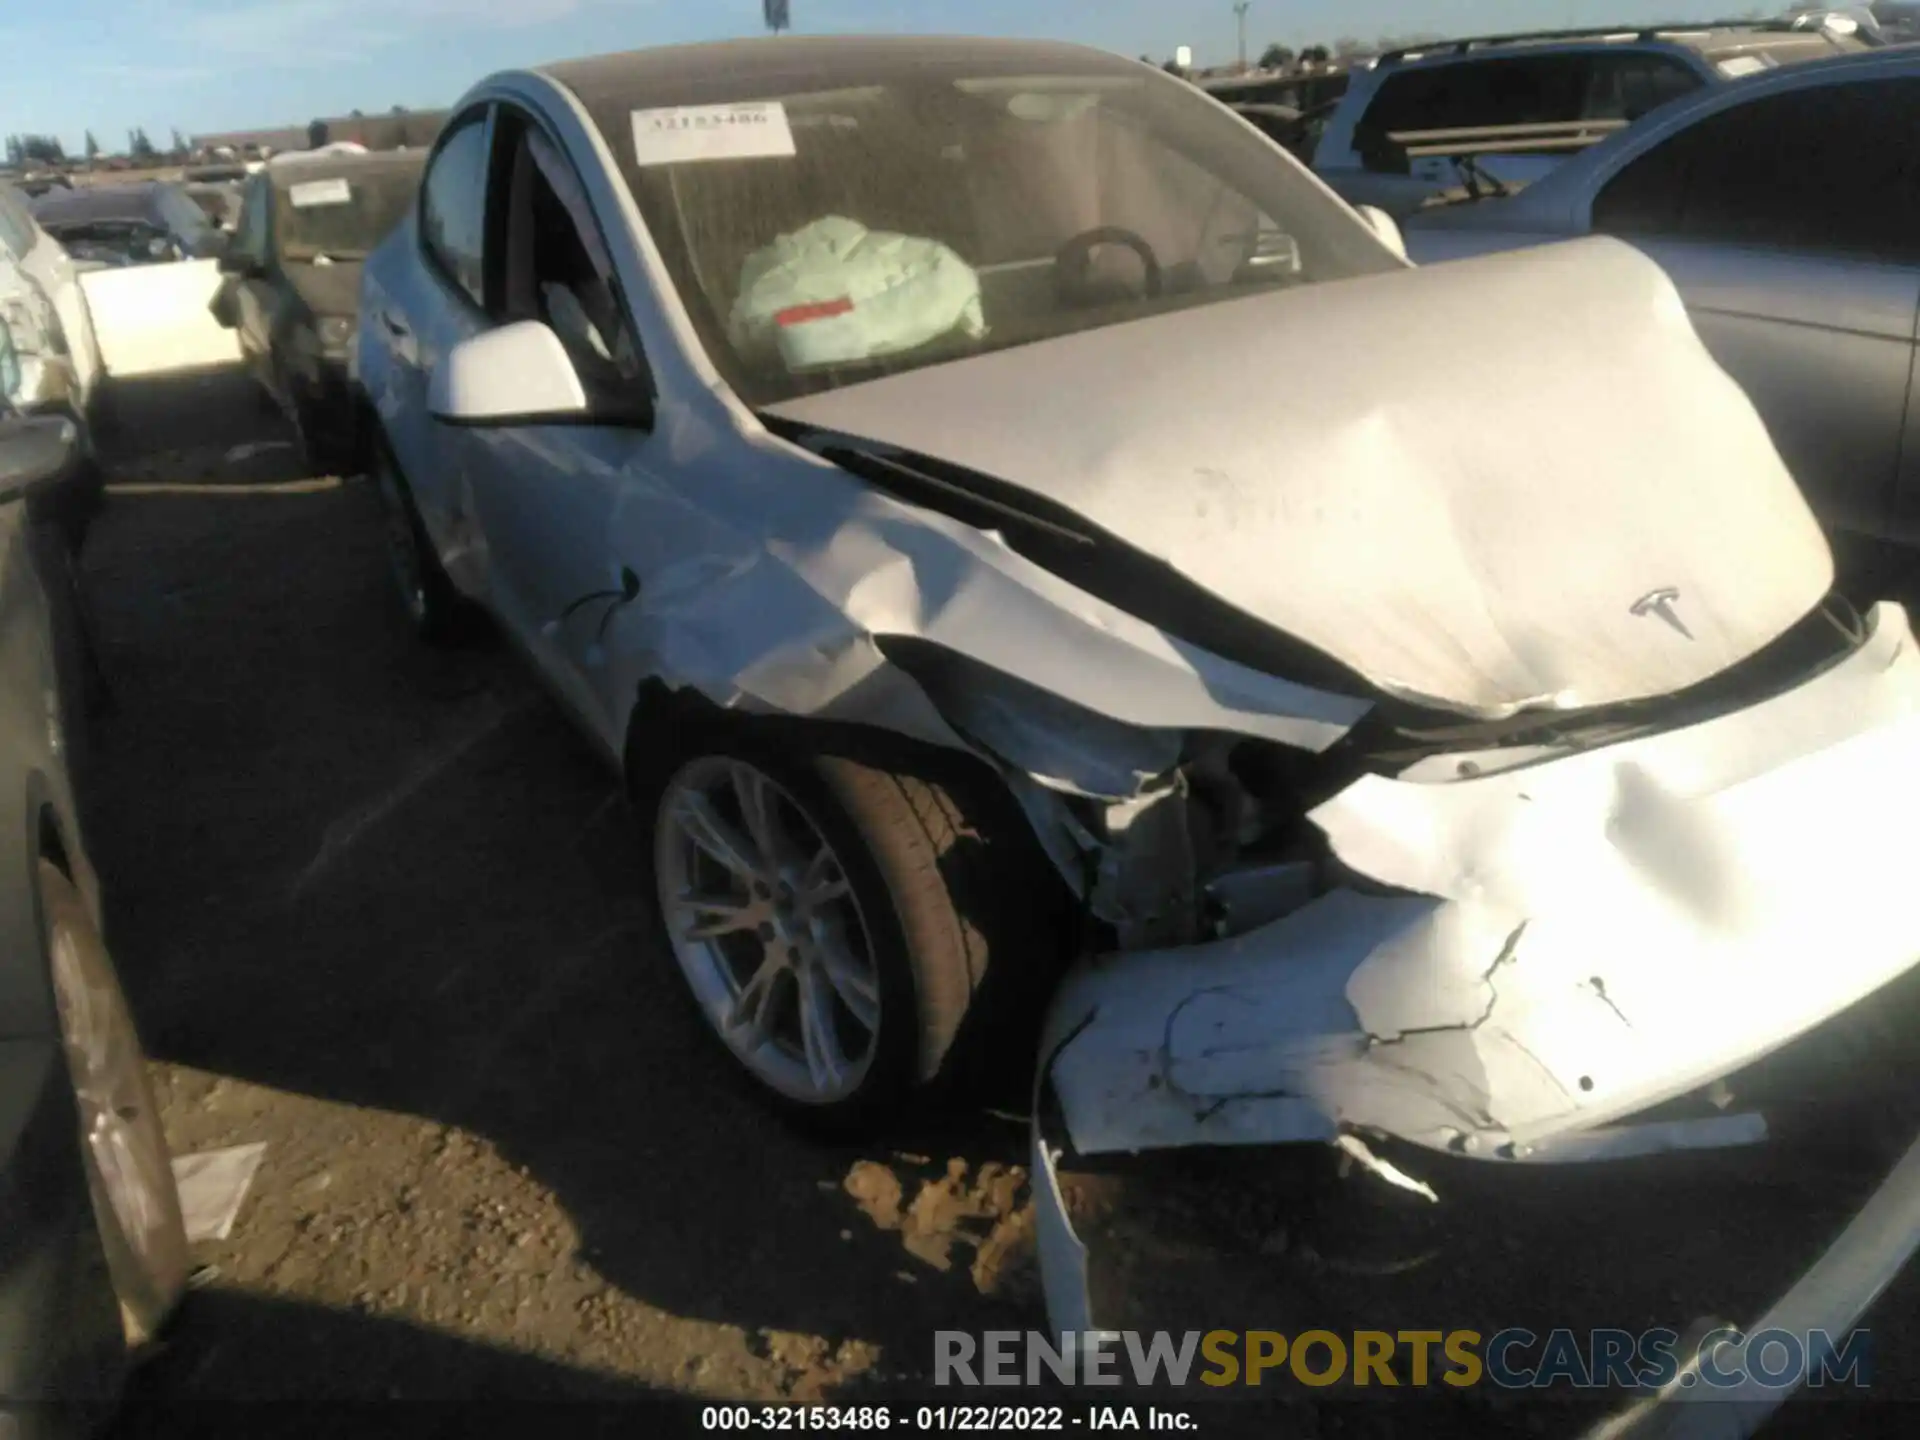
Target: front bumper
{"type": "Point", "coordinates": [1559, 959]}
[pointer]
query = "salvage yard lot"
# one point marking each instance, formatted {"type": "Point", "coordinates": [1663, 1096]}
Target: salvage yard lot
{"type": "Point", "coordinates": [377, 909]}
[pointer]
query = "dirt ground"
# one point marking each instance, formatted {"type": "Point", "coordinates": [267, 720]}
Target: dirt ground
{"type": "Point", "coordinates": [379, 909]}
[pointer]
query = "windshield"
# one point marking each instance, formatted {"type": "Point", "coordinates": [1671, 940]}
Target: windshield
{"type": "Point", "coordinates": [822, 239]}
{"type": "Point", "coordinates": [343, 216]}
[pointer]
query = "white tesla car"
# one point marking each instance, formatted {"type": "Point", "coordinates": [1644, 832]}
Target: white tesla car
{"type": "Point", "coordinates": [993, 505]}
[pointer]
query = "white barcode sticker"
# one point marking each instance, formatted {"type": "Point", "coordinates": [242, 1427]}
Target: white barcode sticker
{"type": "Point", "coordinates": [687, 133]}
{"type": "Point", "coordinates": [311, 193]}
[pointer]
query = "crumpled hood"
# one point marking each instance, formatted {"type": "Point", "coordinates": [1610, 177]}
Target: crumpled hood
{"type": "Point", "coordinates": [327, 289]}
{"type": "Point", "coordinates": [1517, 480]}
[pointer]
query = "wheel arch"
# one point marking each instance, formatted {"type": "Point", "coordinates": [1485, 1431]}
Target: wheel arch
{"type": "Point", "coordinates": [662, 713]}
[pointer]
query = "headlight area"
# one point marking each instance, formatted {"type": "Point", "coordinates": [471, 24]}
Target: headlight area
{"type": "Point", "coordinates": [1168, 836]}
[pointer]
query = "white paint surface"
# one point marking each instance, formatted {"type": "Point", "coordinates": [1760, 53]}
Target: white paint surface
{"type": "Point", "coordinates": [155, 319]}
{"type": "Point", "coordinates": [1380, 500]}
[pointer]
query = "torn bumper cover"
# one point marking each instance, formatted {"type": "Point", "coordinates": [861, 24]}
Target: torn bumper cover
{"type": "Point", "coordinates": [1539, 957]}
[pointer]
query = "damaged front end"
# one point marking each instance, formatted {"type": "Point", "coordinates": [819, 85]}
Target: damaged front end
{"type": "Point", "coordinates": [1453, 963]}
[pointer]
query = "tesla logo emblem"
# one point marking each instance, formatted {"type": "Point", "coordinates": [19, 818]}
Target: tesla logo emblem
{"type": "Point", "coordinates": [1660, 604]}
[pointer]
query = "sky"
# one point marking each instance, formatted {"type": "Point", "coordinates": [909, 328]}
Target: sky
{"type": "Point", "coordinates": [209, 65]}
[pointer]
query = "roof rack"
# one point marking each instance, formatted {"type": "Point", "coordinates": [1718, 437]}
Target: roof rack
{"type": "Point", "coordinates": [1640, 33]}
{"type": "Point", "coordinates": [1503, 139]}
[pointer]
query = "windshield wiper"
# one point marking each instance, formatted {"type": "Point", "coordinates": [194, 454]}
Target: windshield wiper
{"type": "Point", "coordinates": [922, 480]}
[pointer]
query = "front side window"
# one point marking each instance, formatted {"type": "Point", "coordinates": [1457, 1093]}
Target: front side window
{"type": "Point", "coordinates": [341, 212]}
{"type": "Point", "coordinates": [556, 267]}
{"type": "Point", "coordinates": [821, 239]}
{"type": "Point", "coordinates": [1827, 169]}
{"type": "Point", "coordinates": [453, 206]}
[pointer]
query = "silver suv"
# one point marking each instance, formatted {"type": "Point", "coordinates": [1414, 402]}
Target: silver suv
{"type": "Point", "coordinates": [1501, 111]}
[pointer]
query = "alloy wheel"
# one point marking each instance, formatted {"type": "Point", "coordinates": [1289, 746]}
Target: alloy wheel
{"type": "Point", "coordinates": [130, 1171]}
{"type": "Point", "coordinates": [767, 929]}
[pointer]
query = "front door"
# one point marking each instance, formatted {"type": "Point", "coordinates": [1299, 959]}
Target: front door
{"type": "Point", "coordinates": [547, 495]}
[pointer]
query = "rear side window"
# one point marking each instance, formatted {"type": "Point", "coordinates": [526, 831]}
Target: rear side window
{"type": "Point", "coordinates": [1626, 85]}
{"type": "Point", "coordinates": [453, 206]}
{"type": "Point", "coordinates": [1829, 169]}
{"type": "Point", "coordinates": [182, 218]}
{"type": "Point", "coordinates": [1520, 90]}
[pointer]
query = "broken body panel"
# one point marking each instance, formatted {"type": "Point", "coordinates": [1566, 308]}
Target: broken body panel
{"type": "Point", "coordinates": [1124, 585]}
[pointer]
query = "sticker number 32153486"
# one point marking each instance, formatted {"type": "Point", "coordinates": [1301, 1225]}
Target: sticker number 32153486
{"type": "Point", "coordinates": [686, 133]}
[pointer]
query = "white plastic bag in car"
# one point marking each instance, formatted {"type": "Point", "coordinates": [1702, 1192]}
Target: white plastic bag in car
{"type": "Point", "coordinates": [835, 292]}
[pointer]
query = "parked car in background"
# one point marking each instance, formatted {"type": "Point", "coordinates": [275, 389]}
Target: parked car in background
{"type": "Point", "coordinates": [153, 222]}
{"type": "Point", "coordinates": [292, 287]}
{"type": "Point", "coordinates": [225, 172]}
{"type": "Point", "coordinates": [44, 183]}
{"type": "Point", "coordinates": [1291, 108]}
{"type": "Point", "coordinates": [48, 272]}
{"type": "Point", "coordinates": [1787, 211]}
{"type": "Point", "coordinates": [93, 1254]}
{"type": "Point", "coordinates": [1426, 120]}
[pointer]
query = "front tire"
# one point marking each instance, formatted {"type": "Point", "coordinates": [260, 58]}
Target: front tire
{"type": "Point", "coordinates": [854, 936]}
{"type": "Point", "coordinates": [129, 1169]}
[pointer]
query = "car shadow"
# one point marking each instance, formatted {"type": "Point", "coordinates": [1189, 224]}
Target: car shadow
{"type": "Point", "coordinates": [152, 421]}
{"type": "Point", "coordinates": [237, 1364]}
{"type": "Point", "coordinates": [342, 866]}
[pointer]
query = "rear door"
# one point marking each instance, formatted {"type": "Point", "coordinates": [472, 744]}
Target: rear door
{"type": "Point", "coordinates": [416, 310]}
{"type": "Point", "coordinates": [1790, 226]}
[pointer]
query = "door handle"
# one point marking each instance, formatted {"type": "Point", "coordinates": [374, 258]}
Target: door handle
{"type": "Point", "coordinates": [394, 327]}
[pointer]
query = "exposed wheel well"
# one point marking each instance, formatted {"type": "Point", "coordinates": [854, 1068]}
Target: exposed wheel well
{"type": "Point", "coordinates": [663, 714]}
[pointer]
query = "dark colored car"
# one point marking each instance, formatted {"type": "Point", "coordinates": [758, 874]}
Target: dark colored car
{"type": "Point", "coordinates": [113, 225]}
{"type": "Point", "coordinates": [293, 282]}
{"type": "Point", "coordinates": [93, 1254]}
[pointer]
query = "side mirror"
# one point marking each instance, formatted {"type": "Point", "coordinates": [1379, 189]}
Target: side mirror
{"type": "Point", "coordinates": [35, 450]}
{"type": "Point", "coordinates": [1385, 228]}
{"type": "Point", "coordinates": [519, 374]}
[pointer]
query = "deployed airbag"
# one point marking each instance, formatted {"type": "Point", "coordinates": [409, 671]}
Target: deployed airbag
{"type": "Point", "coordinates": [835, 291]}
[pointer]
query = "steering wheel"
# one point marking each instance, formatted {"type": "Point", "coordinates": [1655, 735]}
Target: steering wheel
{"type": "Point", "coordinates": [1073, 266]}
